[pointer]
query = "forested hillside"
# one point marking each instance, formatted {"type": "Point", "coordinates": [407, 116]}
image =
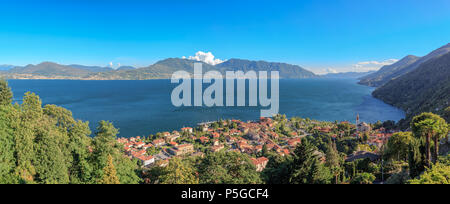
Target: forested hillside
{"type": "Point", "coordinates": [404, 66]}
{"type": "Point", "coordinates": [426, 89]}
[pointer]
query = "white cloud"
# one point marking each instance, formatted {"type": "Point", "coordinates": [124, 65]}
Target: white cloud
{"type": "Point", "coordinates": [206, 57]}
{"type": "Point", "coordinates": [114, 66]}
{"type": "Point", "coordinates": [331, 70]}
{"type": "Point", "coordinates": [372, 65]}
{"type": "Point", "coordinates": [320, 71]}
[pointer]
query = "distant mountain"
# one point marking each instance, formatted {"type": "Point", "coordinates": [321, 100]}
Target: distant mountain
{"type": "Point", "coordinates": [407, 64]}
{"type": "Point", "coordinates": [47, 70]}
{"type": "Point", "coordinates": [165, 69]}
{"type": "Point", "coordinates": [51, 70]}
{"type": "Point", "coordinates": [6, 67]}
{"type": "Point", "coordinates": [285, 70]}
{"type": "Point", "coordinates": [350, 75]}
{"type": "Point", "coordinates": [92, 68]}
{"type": "Point", "coordinates": [126, 68]}
{"type": "Point", "coordinates": [426, 88]}
{"type": "Point", "coordinates": [383, 75]}
{"type": "Point", "coordinates": [161, 70]}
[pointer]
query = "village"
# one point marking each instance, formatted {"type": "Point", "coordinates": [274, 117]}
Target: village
{"type": "Point", "coordinates": [278, 135]}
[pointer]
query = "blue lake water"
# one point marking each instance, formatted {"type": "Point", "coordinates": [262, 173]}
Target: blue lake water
{"type": "Point", "coordinates": [141, 108]}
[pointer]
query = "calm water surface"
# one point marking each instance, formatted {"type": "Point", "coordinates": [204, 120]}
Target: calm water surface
{"type": "Point", "coordinates": [144, 107]}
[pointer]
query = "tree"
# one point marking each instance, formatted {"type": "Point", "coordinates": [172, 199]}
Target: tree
{"type": "Point", "coordinates": [152, 150]}
{"type": "Point", "coordinates": [278, 169]}
{"type": "Point", "coordinates": [401, 177]}
{"type": "Point", "coordinates": [265, 151]}
{"type": "Point", "coordinates": [398, 146]}
{"type": "Point", "coordinates": [306, 168]}
{"type": "Point", "coordinates": [31, 107]}
{"type": "Point", "coordinates": [228, 168]}
{"type": "Point", "coordinates": [438, 174]}
{"type": "Point", "coordinates": [63, 117]}
{"type": "Point", "coordinates": [8, 116]}
{"type": "Point", "coordinates": [109, 173]}
{"type": "Point", "coordinates": [50, 164]}
{"type": "Point", "coordinates": [416, 157]}
{"type": "Point", "coordinates": [363, 178]}
{"type": "Point", "coordinates": [430, 126]}
{"type": "Point", "coordinates": [29, 119]}
{"type": "Point", "coordinates": [7, 150]}
{"type": "Point", "coordinates": [6, 95]}
{"type": "Point", "coordinates": [333, 161]}
{"type": "Point", "coordinates": [178, 172]}
{"type": "Point", "coordinates": [80, 169]}
{"type": "Point", "coordinates": [105, 144]}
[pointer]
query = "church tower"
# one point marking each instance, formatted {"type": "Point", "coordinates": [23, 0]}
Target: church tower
{"type": "Point", "coordinates": [357, 119]}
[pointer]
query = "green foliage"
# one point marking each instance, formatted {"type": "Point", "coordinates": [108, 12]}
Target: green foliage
{"type": "Point", "coordinates": [7, 144]}
{"type": "Point", "coordinates": [277, 170]}
{"type": "Point", "coordinates": [416, 157]}
{"type": "Point", "coordinates": [109, 173]}
{"type": "Point", "coordinates": [429, 126]}
{"type": "Point", "coordinates": [178, 172]}
{"type": "Point", "coordinates": [334, 161]}
{"type": "Point", "coordinates": [401, 177]}
{"type": "Point", "coordinates": [363, 178]}
{"type": "Point", "coordinates": [105, 144]}
{"type": "Point", "coordinates": [79, 142]}
{"type": "Point", "coordinates": [438, 174]}
{"type": "Point", "coordinates": [398, 146]}
{"type": "Point", "coordinates": [424, 89]}
{"type": "Point", "coordinates": [152, 150]}
{"type": "Point", "coordinates": [6, 95]}
{"type": "Point", "coordinates": [346, 145]}
{"type": "Point", "coordinates": [306, 167]}
{"type": "Point", "coordinates": [228, 168]}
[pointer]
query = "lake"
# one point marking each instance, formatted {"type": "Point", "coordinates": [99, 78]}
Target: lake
{"type": "Point", "coordinates": [140, 108]}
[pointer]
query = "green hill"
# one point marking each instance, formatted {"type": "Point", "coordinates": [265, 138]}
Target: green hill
{"type": "Point", "coordinates": [47, 70]}
{"type": "Point", "coordinates": [424, 89]}
{"type": "Point", "coordinates": [165, 69]}
{"type": "Point", "coordinates": [404, 66]}
{"type": "Point", "coordinates": [286, 70]}
{"type": "Point", "coordinates": [382, 76]}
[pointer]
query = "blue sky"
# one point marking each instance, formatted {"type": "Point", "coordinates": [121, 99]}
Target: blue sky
{"type": "Point", "coordinates": [317, 35]}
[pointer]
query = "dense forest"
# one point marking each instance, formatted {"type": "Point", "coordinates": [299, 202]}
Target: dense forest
{"type": "Point", "coordinates": [425, 89]}
{"type": "Point", "coordinates": [46, 145]}
{"type": "Point", "coordinates": [402, 67]}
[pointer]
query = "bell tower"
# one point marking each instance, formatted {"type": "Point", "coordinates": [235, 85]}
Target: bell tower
{"type": "Point", "coordinates": [357, 123]}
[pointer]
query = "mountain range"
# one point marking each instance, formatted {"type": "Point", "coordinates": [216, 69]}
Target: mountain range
{"type": "Point", "coordinates": [425, 89]}
{"type": "Point", "coordinates": [161, 70]}
{"type": "Point", "coordinates": [351, 75]}
{"type": "Point", "coordinates": [415, 84]}
{"type": "Point", "coordinates": [403, 66]}
{"type": "Point", "coordinates": [5, 67]}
